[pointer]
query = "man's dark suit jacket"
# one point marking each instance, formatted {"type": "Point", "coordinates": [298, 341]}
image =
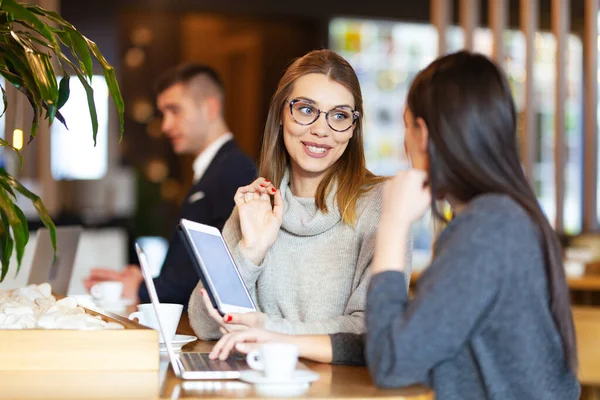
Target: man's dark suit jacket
{"type": "Point", "coordinates": [210, 202]}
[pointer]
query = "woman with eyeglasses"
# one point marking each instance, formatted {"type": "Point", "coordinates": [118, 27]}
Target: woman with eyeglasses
{"type": "Point", "coordinates": [305, 255]}
{"type": "Point", "coordinates": [491, 317]}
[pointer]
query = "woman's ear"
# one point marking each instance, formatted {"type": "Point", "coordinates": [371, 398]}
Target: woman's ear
{"type": "Point", "coordinates": [423, 134]}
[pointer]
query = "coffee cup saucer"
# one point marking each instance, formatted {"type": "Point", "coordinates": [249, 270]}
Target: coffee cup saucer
{"type": "Point", "coordinates": [299, 376]}
{"type": "Point", "coordinates": [178, 342]}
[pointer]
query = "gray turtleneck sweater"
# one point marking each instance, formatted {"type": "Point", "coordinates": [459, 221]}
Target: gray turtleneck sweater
{"type": "Point", "coordinates": [314, 278]}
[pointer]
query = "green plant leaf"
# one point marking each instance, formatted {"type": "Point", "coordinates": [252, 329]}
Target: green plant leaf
{"type": "Point", "coordinates": [63, 91]}
{"type": "Point", "coordinates": [7, 187]}
{"type": "Point", "coordinates": [35, 200]}
{"type": "Point", "coordinates": [84, 59]}
{"type": "Point", "coordinates": [32, 102]}
{"type": "Point", "coordinates": [14, 79]}
{"type": "Point", "coordinates": [36, 113]}
{"type": "Point", "coordinates": [20, 13]}
{"type": "Point", "coordinates": [24, 233]}
{"type": "Point", "coordinates": [15, 64]}
{"type": "Point", "coordinates": [60, 117]}
{"type": "Point", "coordinates": [20, 231]}
{"type": "Point", "coordinates": [113, 86]}
{"type": "Point", "coordinates": [4, 101]}
{"type": "Point", "coordinates": [42, 70]}
{"type": "Point", "coordinates": [81, 51]}
{"type": "Point", "coordinates": [51, 15]}
{"type": "Point", "coordinates": [6, 245]}
{"type": "Point", "coordinates": [89, 94]}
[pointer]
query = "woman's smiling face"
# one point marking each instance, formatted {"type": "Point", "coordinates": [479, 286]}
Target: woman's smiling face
{"type": "Point", "coordinates": [314, 148]}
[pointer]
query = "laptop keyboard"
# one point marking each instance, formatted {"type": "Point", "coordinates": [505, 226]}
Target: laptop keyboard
{"type": "Point", "coordinates": [201, 362]}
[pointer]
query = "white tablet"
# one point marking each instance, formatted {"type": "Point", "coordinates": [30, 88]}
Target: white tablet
{"type": "Point", "coordinates": [216, 268]}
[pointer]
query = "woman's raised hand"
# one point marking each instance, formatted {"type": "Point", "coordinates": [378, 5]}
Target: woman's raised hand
{"type": "Point", "coordinates": [406, 197]}
{"type": "Point", "coordinates": [259, 221]}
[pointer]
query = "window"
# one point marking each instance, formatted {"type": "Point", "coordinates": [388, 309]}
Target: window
{"type": "Point", "coordinates": [73, 154]}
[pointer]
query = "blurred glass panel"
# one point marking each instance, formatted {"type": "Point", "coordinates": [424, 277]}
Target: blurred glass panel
{"type": "Point", "coordinates": [387, 55]}
{"type": "Point", "coordinates": [573, 208]}
{"type": "Point", "coordinates": [73, 154]}
{"type": "Point", "coordinates": [544, 86]}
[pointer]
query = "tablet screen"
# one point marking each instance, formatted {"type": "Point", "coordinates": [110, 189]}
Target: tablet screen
{"type": "Point", "coordinates": [217, 263]}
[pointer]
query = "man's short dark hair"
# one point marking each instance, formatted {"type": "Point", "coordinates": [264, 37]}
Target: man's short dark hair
{"type": "Point", "coordinates": [185, 73]}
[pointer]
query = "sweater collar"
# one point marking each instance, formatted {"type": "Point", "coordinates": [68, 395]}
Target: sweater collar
{"type": "Point", "coordinates": [302, 217]}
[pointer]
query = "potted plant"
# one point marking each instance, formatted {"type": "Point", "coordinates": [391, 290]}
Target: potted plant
{"type": "Point", "coordinates": [34, 44]}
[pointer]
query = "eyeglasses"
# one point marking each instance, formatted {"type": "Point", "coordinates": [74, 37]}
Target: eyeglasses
{"type": "Point", "coordinates": [340, 119]}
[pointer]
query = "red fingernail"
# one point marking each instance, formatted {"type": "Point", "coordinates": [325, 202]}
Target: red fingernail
{"type": "Point", "coordinates": [273, 190]}
{"type": "Point", "coordinates": [228, 318]}
{"type": "Point", "coordinates": [266, 180]}
{"type": "Point", "coordinates": [261, 185]}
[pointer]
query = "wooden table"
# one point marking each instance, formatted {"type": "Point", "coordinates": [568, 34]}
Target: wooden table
{"type": "Point", "coordinates": [341, 382]}
{"type": "Point", "coordinates": [336, 381]}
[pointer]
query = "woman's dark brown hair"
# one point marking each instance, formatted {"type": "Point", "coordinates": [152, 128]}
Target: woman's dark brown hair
{"type": "Point", "coordinates": [466, 103]}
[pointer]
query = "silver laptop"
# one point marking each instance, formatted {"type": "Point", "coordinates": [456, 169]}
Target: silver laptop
{"type": "Point", "coordinates": [190, 366]}
{"type": "Point", "coordinates": [57, 271]}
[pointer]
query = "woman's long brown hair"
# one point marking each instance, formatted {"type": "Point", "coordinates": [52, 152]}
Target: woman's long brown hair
{"type": "Point", "coordinates": [466, 103]}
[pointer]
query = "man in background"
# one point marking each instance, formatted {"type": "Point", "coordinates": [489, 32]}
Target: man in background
{"type": "Point", "coordinates": [191, 100]}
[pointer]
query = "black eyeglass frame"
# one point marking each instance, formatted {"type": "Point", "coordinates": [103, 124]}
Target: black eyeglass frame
{"type": "Point", "coordinates": [355, 115]}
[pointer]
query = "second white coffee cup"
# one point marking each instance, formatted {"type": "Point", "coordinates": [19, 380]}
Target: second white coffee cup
{"type": "Point", "coordinates": [109, 291]}
{"type": "Point", "coordinates": [169, 316]}
{"type": "Point", "coordinates": [276, 360]}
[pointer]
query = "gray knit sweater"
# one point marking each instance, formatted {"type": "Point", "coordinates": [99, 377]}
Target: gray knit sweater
{"type": "Point", "coordinates": [480, 325]}
{"type": "Point", "coordinates": [314, 277]}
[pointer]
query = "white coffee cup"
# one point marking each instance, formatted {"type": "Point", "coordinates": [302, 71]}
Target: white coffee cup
{"type": "Point", "coordinates": [109, 291]}
{"type": "Point", "coordinates": [276, 360]}
{"type": "Point", "coordinates": [169, 317]}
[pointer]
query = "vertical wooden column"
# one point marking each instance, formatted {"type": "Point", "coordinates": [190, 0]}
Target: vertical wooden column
{"type": "Point", "coordinates": [440, 18]}
{"type": "Point", "coordinates": [560, 28]}
{"type": "Point", "coordinates": [529, 24]}
{"type": "Point", "coordinates": [469, 19]}
{"type": "Point", "coordinates": [497, 16]}
{"type": "Point", "coordinates": [590, 151]}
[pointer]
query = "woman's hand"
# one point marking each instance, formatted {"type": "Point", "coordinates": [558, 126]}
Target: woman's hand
{"type": "Point", "coordinates": [406, 198]}
{"type": "Point", "coordinates": [233, 322]}
{"type": "Point", "coordinates": [259, 221]}
{"type": "Point", "coordinates": [244, 342]}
